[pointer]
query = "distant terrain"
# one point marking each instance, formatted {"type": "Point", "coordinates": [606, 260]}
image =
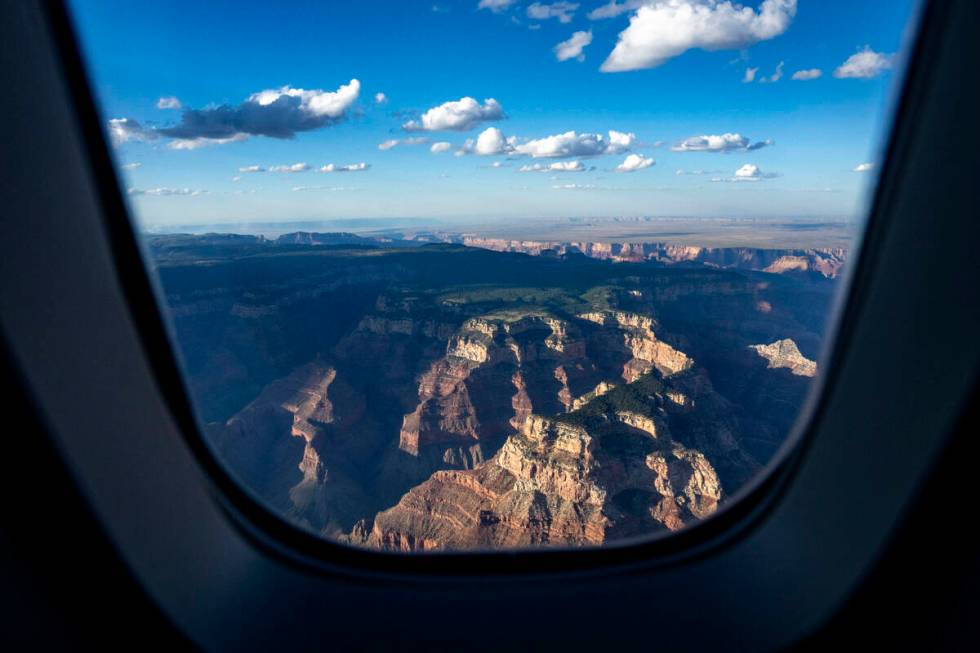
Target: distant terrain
{"type": "Point", "coordinates": [755, 233]}
{"type": "Point", "coordinates": [420, 390]}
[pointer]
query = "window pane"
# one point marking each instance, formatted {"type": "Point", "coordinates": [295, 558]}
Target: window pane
{"type": "Point", "coordinates": [496, 274]}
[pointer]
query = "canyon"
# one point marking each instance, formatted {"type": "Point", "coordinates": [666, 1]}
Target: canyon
{"type": "Point", "coordinates": [408, 396]}
{"type": "Point", "coordinates": [826, 261]}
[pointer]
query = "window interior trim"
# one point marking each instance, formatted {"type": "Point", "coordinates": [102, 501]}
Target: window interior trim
{"type": "Point", "coordinates": [71, 330]}
{"type": "Point", "coordinates": [293, 545]}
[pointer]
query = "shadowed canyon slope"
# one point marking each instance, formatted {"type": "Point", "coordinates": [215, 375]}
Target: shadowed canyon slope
{"type": "Point", "coordinates": [422, 397]}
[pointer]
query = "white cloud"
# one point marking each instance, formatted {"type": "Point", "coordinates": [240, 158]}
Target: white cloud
{"type": "Point", "coordinates": [131, 166]}
{"type": "Point", "coordinates": [299, 189]}
{"type": "Point", "coordinates": [719, 143]}
{"type": "Point", "coordinates": [580, 187]}
{"type": "Point", "coordinates": [572, 144]}
{"type": "Point", "coordinates": [749, 172]}
{"type": "Point", "coordinates": [864, 167]}
{"type": "Point", "coordinates": [557, 166]}
{"type": "Point", "coordinates": [236, 178]}
{"type": "Point", "coordinates": [353, 167]}
{"type": "Point", "coordinates": [196, 143]}
{"type": "Point", "coordinates": [806, 75]}
{"type": "Point", "coordinates": [667, 28]}
{"type": "Point", "coordinates": [458, 115]}
{"type": "Point", "coordinates": [166, 191]}
{"type": "Point", "coordinates": [696, 173]}
{"type": "Point", "coordinates": [776, 76]}
{"type": "Point", "coordinates": [276, 113]}
{"type": "Point", "coordinates": [749, 76]}
{"type": "Point", "coordinates": [168, 102]}
{"type": "Point", "coordinates": [495, 5]}
{"type": "Point", "coordinates": [380, 98]}
{"type": "Point", "coordinates": [394, 142]}
{"type": "Point", "coordinates": [490, 141]}
{"type": "Point", "coordinates": [441, 146]}
{"type": "Point", "coordinates": [296, 167]}
{"type": "Point", "coordinates": [572, 48]}
{"type": "Point", "coordinates": [864, 64]}
{"type": "Point", "coordinates": [634, 162]}
{"type": "Point", "coordinates": [563, 11]}
{"type": "Point", "coordinates": [613, 9]}
{"type": "Point", "coordinates": [255, 168]}
{"type": "Point", "coordinates": [124, 130]}
{"type": "Point", "coordinates": [315, 103]}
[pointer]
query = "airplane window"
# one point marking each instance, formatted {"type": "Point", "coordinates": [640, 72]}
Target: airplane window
{"type": "Point", "coordinates": [494, 273]}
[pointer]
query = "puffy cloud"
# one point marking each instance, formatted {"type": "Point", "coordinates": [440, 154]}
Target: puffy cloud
{"type": "Point", "coordinates": [634, 162]}
{"type": "Point", "coordinates": [749, 172]}
{"type": "Point", "coordinates": [806, 75]}
{"type": "Point", "coordinates": [131, 166]}
{"type": "Point", "coordinates": [749, 76]}
{"type": "Point", "coordinates": [864, 64]}
{"type": "Point", "coordinates": [490, 141]}
{"type": "Point", "coordinates": [353, 167]}
{"type": "Point", "coordinates": [123, 130]}
{"type": "Point", "coordinates": [613, 9]}
{"type": "Point", "coordinates": [665, 29]}
{"type": "Point", "coordinates": [864, 167]}
{"type": "Point", "coordinates": [572, 48]}
{"type": "Point", "coordinates": [166, 191]}
{"type": "Point", "coordinates": [277, 113]}
{"type": "Point", "coordinates": [441, 146]}
{"type": "Point", "coordinates": [557, 166]}
{"type": "Point", "coordinates": [563, 11]}
{"type": "Point", "coordinates": [380, 98]}
{"type": "Point", "coordinates": [572, 144]}
{"type": "Point", "coordinates": [395, 142]}
{"type": "Point", "coordinates": [495, 6]}
{"type": "Point", "coordinates": [168, 102]}
{"type": "Point", "coordinates": [255, 168]}
{"type": "Point", "coordinates": [331, 104]}
{"type": "Point", "coordinates": [458, 115]}
{"type": "Point", "coordinates": [296, 167]}
{"type": "Point", "coordinates": [719, 143]}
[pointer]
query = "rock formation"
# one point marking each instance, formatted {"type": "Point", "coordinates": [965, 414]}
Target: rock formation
{"type": "Point", "coordinates": [785, 354]}
{"type": "Point", "coordinates": [581, 479]}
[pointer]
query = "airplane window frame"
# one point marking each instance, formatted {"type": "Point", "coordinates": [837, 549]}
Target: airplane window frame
{"type": "Point", "coordinates": [277, 534]}
{"type": "Point", "coordinates": [780, 571]}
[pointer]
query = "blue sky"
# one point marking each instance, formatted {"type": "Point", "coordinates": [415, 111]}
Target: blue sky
{"type": "Point", "coordinates": [657, 74]}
